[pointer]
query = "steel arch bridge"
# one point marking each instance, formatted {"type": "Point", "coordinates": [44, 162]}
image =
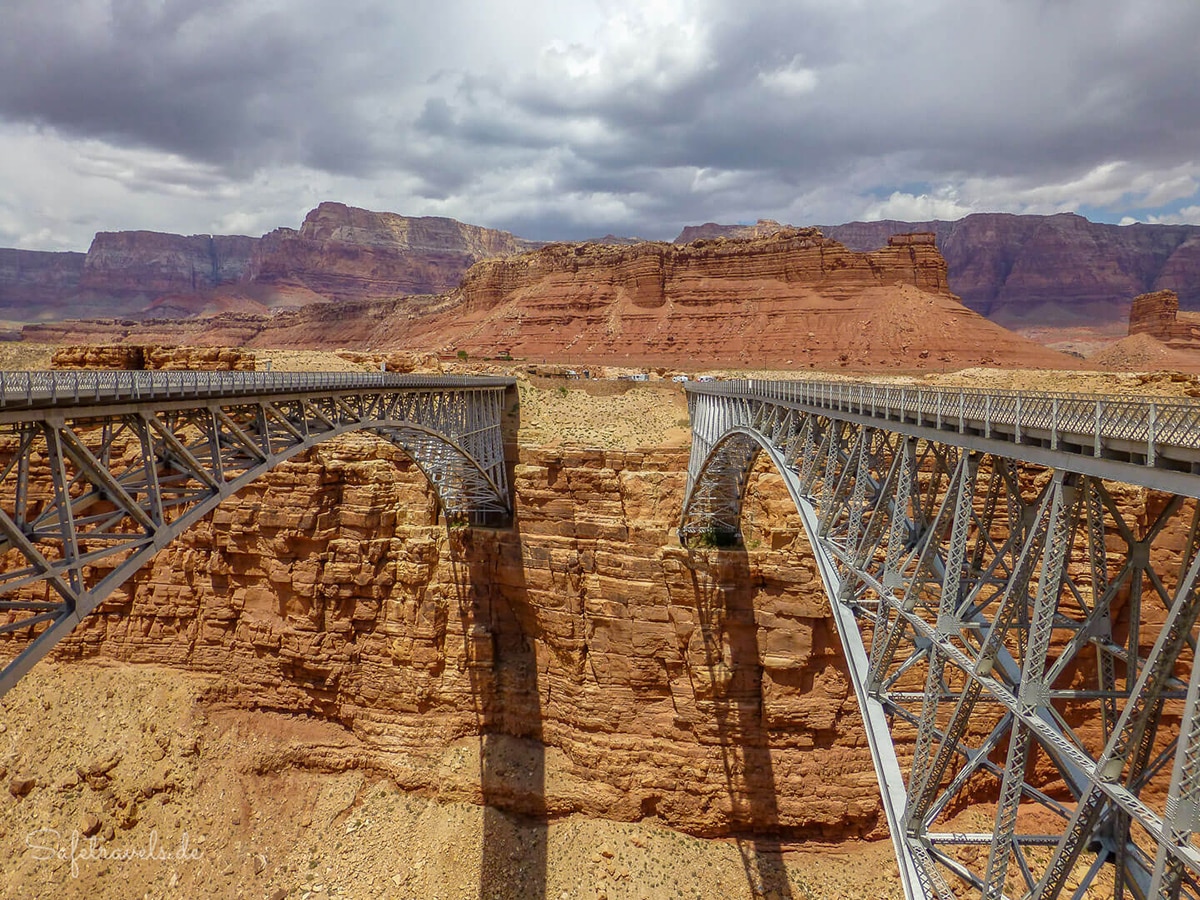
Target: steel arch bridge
{"type": "Point", "coordinates": [101, 470]}
{"type": "Point", "coordinates": [1014, 580]}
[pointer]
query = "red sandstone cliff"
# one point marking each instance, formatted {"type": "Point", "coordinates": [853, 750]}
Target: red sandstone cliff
{"type": "Point", "coordinates": [619, 676]}
{"type": "Point", "coordinates": [1157, 315]}
{"type": "Point", "coordinates": [342, 253]}
{"type": "Point", "coordinates": [793, 298]}
{"type": "Point", "coordinates": [1024, 271]}
{"type": "Point", "coordinates": [32, 283]}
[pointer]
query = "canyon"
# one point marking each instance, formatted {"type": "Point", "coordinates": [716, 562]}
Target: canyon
{"type": "Point", "coordinates": [321, 675]}
{"type": "Point", "coordinates": [325, 629]}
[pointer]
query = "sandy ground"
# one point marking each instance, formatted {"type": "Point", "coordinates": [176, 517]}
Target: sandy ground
{"type": "Point", "coordinates": [189, 799]}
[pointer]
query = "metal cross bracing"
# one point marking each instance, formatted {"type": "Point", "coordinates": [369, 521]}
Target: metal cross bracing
{"type": "Point", "coordinates": [1017, 601]}
{"type": "Point", "coordinates": [100, 470]}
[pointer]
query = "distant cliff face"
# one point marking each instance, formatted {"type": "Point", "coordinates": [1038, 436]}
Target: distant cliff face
{"type": "Point", "coordinates": [32, 281]}
{"type": "Point", "coordinates": [146, 264]}
{"type": "Point", "coordinates": [340, 253]}
{"type": "Point", "coordinates": [1023, 271]}
{"type": "Point", "coordinates": [1051, 270]}
{"type": "Point", "coordinates": [343, 253]}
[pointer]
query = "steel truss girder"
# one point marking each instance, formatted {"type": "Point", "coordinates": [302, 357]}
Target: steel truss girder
{"type": "Point", "coordinates": [1011, 637]}
{"type": "Point", "coordinates": [126, 479]}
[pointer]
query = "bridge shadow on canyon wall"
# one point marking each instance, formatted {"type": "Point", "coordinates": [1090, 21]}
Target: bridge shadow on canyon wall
{"type": "Point", "coordinates": [724, 595]}
{"type": "Point", "coordinates": [503, 669]}
{"type": "Point", "coordinates": [500, 635]}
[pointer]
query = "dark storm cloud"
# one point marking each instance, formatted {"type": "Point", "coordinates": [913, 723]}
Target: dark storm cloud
{"type": "Point", "coordinates": [227, 82]}
{"type": "Point", "coordinates": [570, 119]}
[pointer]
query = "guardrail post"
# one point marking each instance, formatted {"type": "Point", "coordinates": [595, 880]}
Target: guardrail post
{"type": "Point", "coordinates": [1150, 435]}
{"type": "Point", "coordinates": [1017, 431]}
{"type": "Point", "coordinates": [987, 415]}
{"type": "Point", "coordinates": [1054, 423]}
{"type": "Point", "coordinates": [962, 410]}
{"type": "Point", "coordinates": [1096, 429]}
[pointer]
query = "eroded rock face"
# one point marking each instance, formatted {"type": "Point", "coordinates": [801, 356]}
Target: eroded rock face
{"type": "Point", "coordinates": [1023, 271]}
{"type": "Point", "coordinates": [793, 298]}
{"type": "Point", "coordinates": [149, 263]}
{"type": "Point", "coordinates": [32, 282]}
{"type": "Point", "coordinates": [614, 673]}
{"type": "Point", "coordinates": [1157, 314]}
{"type": "Point", "coordinates": [342, 252]}
{"type": "Point", "coordinates": [132, 356]}
{"type": "Point", "coordinates": [339, 253]}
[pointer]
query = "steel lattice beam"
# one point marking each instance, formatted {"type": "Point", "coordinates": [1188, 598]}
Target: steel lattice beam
{"type": "Point", "coordinates": [102, 470]}
{"type": "Point", "coordinates": [1019, 645]}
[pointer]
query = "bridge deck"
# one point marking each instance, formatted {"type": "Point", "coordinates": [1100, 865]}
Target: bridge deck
{"type": "Point", "coordinates": [41, 390]}
{"type": "Point", "coordinates": [1149, 441]}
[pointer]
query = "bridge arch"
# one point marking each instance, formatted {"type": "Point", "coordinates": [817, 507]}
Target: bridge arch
{"type": "Point", "coordinates": [712, 508]}
{"type": "Point", "coordinates": [975, 555]}
{"type": "Point", "coordinates": [90, 492]}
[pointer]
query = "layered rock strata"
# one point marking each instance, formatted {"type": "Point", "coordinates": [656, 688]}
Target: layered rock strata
{"type": "Point", "coordinates": [1157, 315]}
{"type": "Point", "coordinates": [32, 282]}
{"type": "Point", "coordinates": [793, 298]}
{"type": "Point", "coordinates": [583, 659]}
{"type": "Point", "coordinates": [345, 253]}
{"type": "Point", "coordinates": [132, 356]}
{"type": "Point", "coordinates": [339, 253]}
{"type": "Point", "coordinates": [1029, 271]}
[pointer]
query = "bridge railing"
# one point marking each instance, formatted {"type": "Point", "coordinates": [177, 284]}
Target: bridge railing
{"type": "Point", "coordinates": [1087, 421]}
{"type": "Point", "coordinates": [58, 388]}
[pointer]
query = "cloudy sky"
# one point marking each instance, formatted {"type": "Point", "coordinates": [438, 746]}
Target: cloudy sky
{"type": "Point", "coordinates": [571, 119]}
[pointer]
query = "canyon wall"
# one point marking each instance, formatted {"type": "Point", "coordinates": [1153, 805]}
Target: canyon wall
{"type": "Point", "coordinates": [793, 298]}
{"type": "Point", "coordinates": [33, 282]}
{"type": "Point", "coordinates": [339, 253]}
{"type": "Point", "coordinates": [613, 673]}
{"type": "Point", "coordinates": [1023, 271]}
{"type": "Point", "coordinates": [344, 253]}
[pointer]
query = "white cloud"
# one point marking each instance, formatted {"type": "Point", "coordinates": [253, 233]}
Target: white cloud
{"type": "Point", "coordinates": [1188, 215]}
{"type": "Point", "coordinates": [942, 204]}
{"type": "Point", "coordinates": [792, 80]}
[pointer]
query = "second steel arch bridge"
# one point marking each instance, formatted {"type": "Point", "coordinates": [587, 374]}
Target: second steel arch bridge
{"type": "Point", "coordinates": [1015, 580]}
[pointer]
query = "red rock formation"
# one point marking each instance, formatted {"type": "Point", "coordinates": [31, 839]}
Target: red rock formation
{"type": "Point", "coordinates": [139, 357]}
{"type": "Point", "coordinates": [1029, 271]}
{"type": "Point", "coordinates": [1157, 314]}
{"type": "Point", "coordinates": [793, 298]}
{"type": "Point", "coordinates": [32, 283]}
{"type": "Point", "coordinates": [342, 252]}
{"type": "Point", "coordinates": [339, 253]}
